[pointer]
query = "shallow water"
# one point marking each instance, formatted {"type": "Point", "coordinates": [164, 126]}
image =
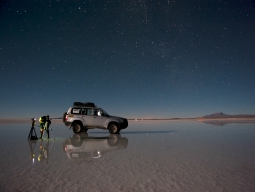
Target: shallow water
{"type": "Point", "coordinates": [147, 156]}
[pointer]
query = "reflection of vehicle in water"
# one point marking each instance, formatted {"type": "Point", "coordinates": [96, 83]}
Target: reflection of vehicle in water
{"type": "Point", "coordinates": [84, 147]}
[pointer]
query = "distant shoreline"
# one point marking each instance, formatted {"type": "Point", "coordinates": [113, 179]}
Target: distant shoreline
{"type": "Point", "coordinates": [26, 121]}
{"type": "Point", "coordinates": [196, 119]}
{"type": "Point", "coordinates": [57, 120]}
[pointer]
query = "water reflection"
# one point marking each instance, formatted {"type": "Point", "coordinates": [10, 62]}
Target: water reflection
{"type": "Point", "coordinates": [32, 145]}
{"type": "Point", "coordinates": [146, 132]}
{"type": "Point", "coordinates": [44, 150]}
{"type": "Point", "coordinates": [173, 155]}
{"type": "Point", "coordinates": [225, 122]}
{"type": "Point", "coordinates": [88, 148]}
{"type": "Point", "coordinates": [139, 132]}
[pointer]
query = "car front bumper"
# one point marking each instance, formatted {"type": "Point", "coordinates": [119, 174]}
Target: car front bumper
{"type": "Point", "coordinates": [124, 124]}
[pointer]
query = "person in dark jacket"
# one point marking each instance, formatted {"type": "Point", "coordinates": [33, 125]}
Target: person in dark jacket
{"type": "Point", "coordinates": [47, 125]}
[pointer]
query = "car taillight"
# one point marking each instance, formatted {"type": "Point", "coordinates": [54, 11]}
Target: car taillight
{"type": "Point", "coordinates": [66, 118]}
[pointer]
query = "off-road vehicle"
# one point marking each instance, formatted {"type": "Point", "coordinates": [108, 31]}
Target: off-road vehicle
{"type": "Point", "coordinates": [83, 116]}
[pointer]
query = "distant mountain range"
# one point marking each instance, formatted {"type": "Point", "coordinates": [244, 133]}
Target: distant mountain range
{"type": "Point", "coordinates": [223, 115]}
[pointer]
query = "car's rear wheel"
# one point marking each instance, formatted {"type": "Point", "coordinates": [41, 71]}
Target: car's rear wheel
{"type": "Point", "coordinates": [77, 127]}
{"type": "Point", "coordinates": [113, 128]}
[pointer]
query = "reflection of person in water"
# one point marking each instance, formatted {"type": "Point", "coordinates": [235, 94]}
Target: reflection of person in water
{"type": "Point", "coordinates": [32, 144]}
{"type": "Point", "coordinates": [44, 152]}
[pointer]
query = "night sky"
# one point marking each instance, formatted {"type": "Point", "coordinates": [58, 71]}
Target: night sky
{"type": "Point", "coordinates": [136, 59]}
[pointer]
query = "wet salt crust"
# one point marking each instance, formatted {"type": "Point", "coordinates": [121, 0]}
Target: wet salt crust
{"type": "Point", "coordinates": [155, 156]}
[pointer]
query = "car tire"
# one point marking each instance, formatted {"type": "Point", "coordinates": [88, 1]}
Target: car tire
{"type": "Point", "coordinates": [77, 127]}
{"type": "Point", "coordinates": [113, 128]}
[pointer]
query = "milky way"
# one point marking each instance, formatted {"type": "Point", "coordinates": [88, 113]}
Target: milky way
{"type": "Point", "coordinates": [141, 59]}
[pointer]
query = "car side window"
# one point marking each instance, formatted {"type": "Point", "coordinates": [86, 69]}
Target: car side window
{"type": "Point", "coordinates": [89, 111]}
{"type": "Point", "coordinates": [95, 112]}
{"type": "Point", "coordinates": [76, 111]}
{"type": "Point", "coordinates": [86, 111]}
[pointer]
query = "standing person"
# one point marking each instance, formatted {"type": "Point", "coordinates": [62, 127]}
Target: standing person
{"type": "Point", "coordinates": [47, 125]}
{"type": "Point", "coordinates": [42, 121]}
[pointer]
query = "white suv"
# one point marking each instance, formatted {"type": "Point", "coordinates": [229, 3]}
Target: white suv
{"type": "Point", "coordinates": [83, 116]}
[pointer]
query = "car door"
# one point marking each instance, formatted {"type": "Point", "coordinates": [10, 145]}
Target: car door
{"type": "Point", "coordinates": [98, 121]}
{"type": "Point", "coordinates": [87, 116]}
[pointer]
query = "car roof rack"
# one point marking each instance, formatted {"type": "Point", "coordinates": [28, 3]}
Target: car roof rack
{"type": "Point", "coordinates": [86, 104]}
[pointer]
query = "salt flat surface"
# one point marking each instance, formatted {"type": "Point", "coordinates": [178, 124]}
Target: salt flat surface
{"type": "Point", "coordinates": [148, 156]}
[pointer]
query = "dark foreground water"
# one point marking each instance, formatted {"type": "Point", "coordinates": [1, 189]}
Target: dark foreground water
{"type": "Point", "coordinates": [147, 156]}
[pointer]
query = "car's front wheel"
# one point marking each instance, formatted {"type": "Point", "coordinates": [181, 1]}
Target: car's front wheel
{"type": "Point", "coordinates": [77, 128]}
{"type": "Point", "coordinates": [113, 128]}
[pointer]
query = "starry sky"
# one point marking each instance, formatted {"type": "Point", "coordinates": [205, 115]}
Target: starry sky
{"type": "Point", "coordinates": [133, 58]}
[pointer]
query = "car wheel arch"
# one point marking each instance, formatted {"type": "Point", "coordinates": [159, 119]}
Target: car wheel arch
{"type": "Point", "coordinates": [113, 122]}
{"type": "Point", "coordinates": [79, 123]}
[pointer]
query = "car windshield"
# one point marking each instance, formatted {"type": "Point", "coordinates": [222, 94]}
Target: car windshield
{"type": "Point", "coordinates": [104, 112]}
